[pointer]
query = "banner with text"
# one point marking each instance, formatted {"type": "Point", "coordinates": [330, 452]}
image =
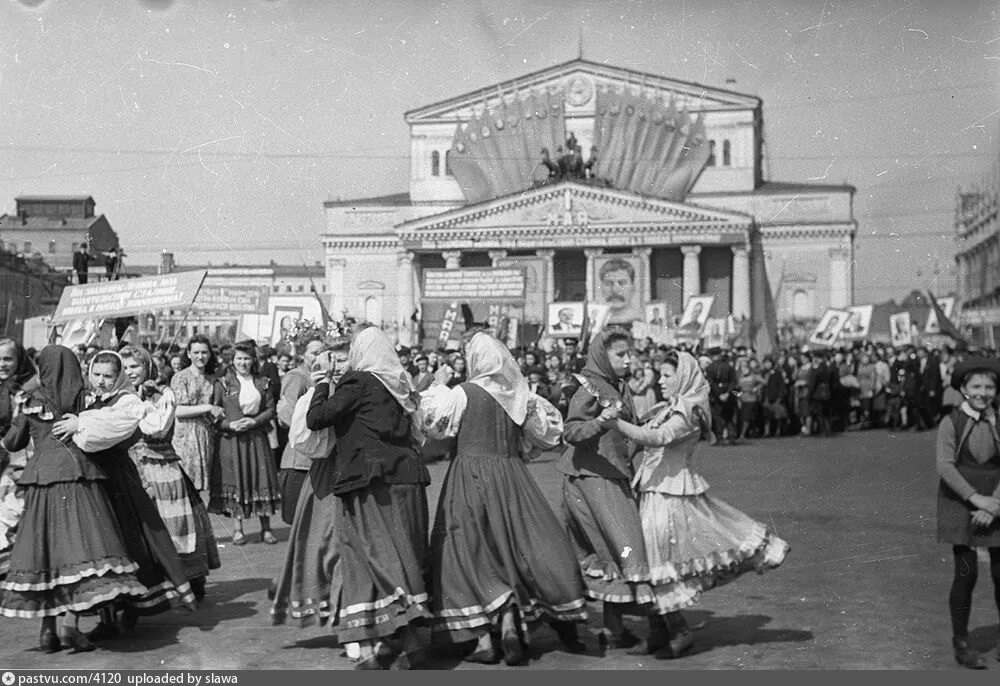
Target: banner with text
{"type": "Point", "coordinates": [111, 299]}
{"type": "Point", "coordinates": [474, 284]}
{"type": "Point", "coordinates": [233, 299]}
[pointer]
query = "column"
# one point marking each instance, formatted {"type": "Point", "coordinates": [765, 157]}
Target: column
{"type": "Point", "coordinates": [496, 256]}
{"type": "Point", "coordinates": [404, 291]}
{"type": "Point", "coordinates": [692, 271]}
{"type": "Point", "coordinates": [960, 275]}
{"type": "Point", "coordinates": [550, 275]}
{"type": "Point", "coordinates": [591, 253]}
{"type": "Point", "coordinates": [452, 259]}
{"type": "Point", "coordinates": [336, 269]}
{"type": "Point", "coordinates": [741, 281]}
{"type": "Point", "coordinates": [840, 277]}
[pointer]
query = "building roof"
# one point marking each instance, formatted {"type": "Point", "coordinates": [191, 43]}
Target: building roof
{"type": "Point", "coordinates": [12, 221]}
{"type": "Point", "coordinates": [54, 198]}
{"type": "Point", "coordinates": [784, 187]}
{"type": "Point", "coordinates": [393, 199]}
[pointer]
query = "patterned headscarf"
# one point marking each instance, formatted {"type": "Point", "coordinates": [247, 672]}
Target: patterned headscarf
{"type": "Point", "coordinates": [688, 389]}
{"type": "Point", "coordinates": [491, 367]}
{"type": "Point", "coordinates": [122, 384]}
{"type": "Point", "coordinates": [373, 352]}
{"type": "Point", "coordinates": [602, 380]}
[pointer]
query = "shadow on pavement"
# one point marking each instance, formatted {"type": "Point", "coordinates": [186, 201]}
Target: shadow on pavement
{"type": "Point", "coordinates": [721, 631]}
{"type": "Point", "coordinates": [984, 638]}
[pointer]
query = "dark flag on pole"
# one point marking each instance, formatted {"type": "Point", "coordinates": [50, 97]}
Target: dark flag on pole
{"type": "Point", "coordinates": [327, 319]}
{"type": "Point", "coordinates": [944, 324]}
{"type": "Point", "coordinates": [585, 329]}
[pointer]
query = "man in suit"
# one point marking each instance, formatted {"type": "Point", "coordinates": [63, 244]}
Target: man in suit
{"type": "Point", "coordinates": [722, 382]}
{"type": "Point", "coordinates": [565, 322]}
{"type": "Point", "coordinates": [81, 263]}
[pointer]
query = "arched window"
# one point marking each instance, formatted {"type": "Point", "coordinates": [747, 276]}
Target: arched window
{"type": "Point", "coordinates": [435, 163]}
{"type": "Point", "coordinates": [726, 150]}
{"type": "Point", "coordinates": [711, 154]}
{"type": "Point", "coordinates": [447, 163]}
{"type": "Point", "coordinates": [800, 305]}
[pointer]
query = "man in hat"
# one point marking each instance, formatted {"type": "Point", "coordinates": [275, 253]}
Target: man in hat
{"type": "Point", "coordinates": [423, 379]}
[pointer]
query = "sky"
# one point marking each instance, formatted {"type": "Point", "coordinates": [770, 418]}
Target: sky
{"type": "Point", "coordinates": [214, 128]}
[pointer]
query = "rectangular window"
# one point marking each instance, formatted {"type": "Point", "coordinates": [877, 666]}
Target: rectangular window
{"type": "Point", "coordinates": [288, 289]}
{"type": "Point", "coordinates": [301, 288]}
{"type": "Point", "coordinates": [28, 247]}
{"type": "Point", "coordinates": [711, 154]}
{"type": "Point", "coordinates": [52, 247]}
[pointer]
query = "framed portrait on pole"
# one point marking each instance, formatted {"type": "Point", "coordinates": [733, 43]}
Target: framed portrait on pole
{"type": "Point", "coordinates": [617, 285]}
{"type": "Point", "coordinates": [859, 320]}
{"type": "Point", "coordinates": [899, 329]}
{"type": "Point", "coordinates": [829, 327]}
{"type": "Point", "coordinates": [696, 313]}
{"type": "Point", "coordinates": [565, 319]}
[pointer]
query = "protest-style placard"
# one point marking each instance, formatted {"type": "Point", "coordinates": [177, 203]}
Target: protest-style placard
{"type": "Point", "coordinates": [115, 299]}
{"type": "Point", "coordinates": [233, 299]}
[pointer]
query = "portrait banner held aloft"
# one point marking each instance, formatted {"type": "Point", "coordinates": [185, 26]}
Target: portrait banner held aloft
{"type": "Point", "coordinates": [829, 327]}
{"type": "Point", "coordinates": [859, 320]}
{"type": "Point", "coordinates": [616, 286]}
{"type": "Point", "coordinates": [900, 333]}
{"type": "Point", "coordinates": [694, 318]}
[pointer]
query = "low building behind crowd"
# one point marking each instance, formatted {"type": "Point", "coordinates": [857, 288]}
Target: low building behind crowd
{"type": "Point", "coordinates": [649, 190]}
{"type": "Point", "coordinates": [29, 288]}
{"type": "Point", "coordinates": [977, 232]}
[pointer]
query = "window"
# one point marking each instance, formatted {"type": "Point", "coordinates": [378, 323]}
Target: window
{"type": "Point", "coordinates": [194, 330]}
{"type": "Point", "coordinates": [711, 154]}
{"type": "Point", "coordinates": [288, 289]}
{"type": "Point", "coordinates": [277, 289]}
{"type": "Point", "coordinates": [28, 248]}
{"type": "Point", "coordinates": [726, 157]}
{"type": "Point", "coordinates": [447, 163]}
{"type": "Point", "coordinates": [800, 305]}
{"type": "Point", "coordinates": [435, 163]}
{"type": "Point", "coordinates": [52, 247]}
{"type": "Point", "coordinates": [301, 288]}
{"type": "Point", "coordinates": [75, 246]}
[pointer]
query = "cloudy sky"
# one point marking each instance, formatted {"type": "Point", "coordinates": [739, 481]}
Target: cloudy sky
{"type": "Point", "coordinates": [212, 127]}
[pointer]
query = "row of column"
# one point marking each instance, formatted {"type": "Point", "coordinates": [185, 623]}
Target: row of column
{"type": "Point", "coordinates": [691, 279]}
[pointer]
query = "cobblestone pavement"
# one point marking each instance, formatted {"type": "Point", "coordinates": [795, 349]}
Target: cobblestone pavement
{"type": "Point", "coordinates": [865, 585]}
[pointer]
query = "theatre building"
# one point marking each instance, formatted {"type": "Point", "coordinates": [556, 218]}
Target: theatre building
{"type": "Point", "coordinates": [590, 182]}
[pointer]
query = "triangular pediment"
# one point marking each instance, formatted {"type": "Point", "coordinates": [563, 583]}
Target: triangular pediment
{"type": "Point", "coordinates": [571, 204]}
{"type": "Point", "coordinates": [581, 79]}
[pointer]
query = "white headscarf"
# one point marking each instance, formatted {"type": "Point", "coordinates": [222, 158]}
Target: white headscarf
{"type": "Point", "coordinates": [688, 388]}
{"type": "Point", "coordinates": [492, 368]}
{"type": "Point", "coordinates": [373, 352]}
{"type": "Point", "coordinates": [122, 383]}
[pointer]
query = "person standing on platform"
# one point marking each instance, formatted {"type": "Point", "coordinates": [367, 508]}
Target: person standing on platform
{"type": "Point", "coordinates": [500, 557]}
{"type": "Point", "coordinates": [598, 505]}
{"type": "Point", "coordinates": [81, 264]}
{"type": "Point", "coordinates": [968, 509]}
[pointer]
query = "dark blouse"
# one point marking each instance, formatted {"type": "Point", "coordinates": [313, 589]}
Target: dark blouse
{"type": "Point", "coordinates": [373, 433]}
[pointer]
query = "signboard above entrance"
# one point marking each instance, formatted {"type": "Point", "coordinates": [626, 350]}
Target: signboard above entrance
{"type": "Point", "coordinates": [474, 284]}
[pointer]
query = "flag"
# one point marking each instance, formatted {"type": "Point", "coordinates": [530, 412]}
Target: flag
{"type": "Point", "coordinates": [418, 325]}
{"type": "Point", "coordinates": [944, 324]}
{"type": "Point", "coordinates": [327, 319]}
{"type": "Point", "coordinates": [585, 329]}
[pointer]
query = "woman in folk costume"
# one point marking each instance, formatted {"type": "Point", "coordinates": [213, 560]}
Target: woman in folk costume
{"type": "Point", "coordinates": [175, 496]}
{"type": "Point", "coordinates": [17, 374]}
{"type": "Point", "coordinates": [69, 556]}
{"type": "Point", "coordinates": [968, 511]}
{"type": "Point", "coordinates": [500, 555]}
{"type": "Point", "coordinates": [248, 482]}
{"type": "Point", "coordinates": [598, 504]}
{"type": "Point", "coordinates": [105, 430]}
{"type": "Point", "coordinates": [694, 541]}
{"type": "Point", "coordinates": [381, 483]}
{"type": "Point", "coordinates": [304, 586]}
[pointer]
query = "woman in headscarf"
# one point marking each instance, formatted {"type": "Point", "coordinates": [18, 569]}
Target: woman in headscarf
{"type": "Point", "coordinates": [247, 484]}
{"type": "Point", "coordinates": [381, 483]}
{"type": "Point", "coordinates": [17, 374]}
{"type": "Point", "coordinates": [175, 496]}
{"type": "Point", "coordinates": [600, 510]}
{"type": "Point", "coordinates": [105, 430]}
{"type": "Point", "coordinates": [694, 541]}
{"type": "Point", "coordinates": [501, 558]}
{"type": "Point", "coordinates": [69, 556]}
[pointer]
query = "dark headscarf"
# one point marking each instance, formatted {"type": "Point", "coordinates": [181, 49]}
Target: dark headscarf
{"type": "Point", "coordinates": [600, 374]}
{"type": "Point", "coordinates": [61, 389]}
{"type": "Point", "coordinates": [23, 371]}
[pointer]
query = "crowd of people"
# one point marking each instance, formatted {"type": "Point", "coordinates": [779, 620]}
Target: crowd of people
{"type": "Point", "coordinates": [119, 456]}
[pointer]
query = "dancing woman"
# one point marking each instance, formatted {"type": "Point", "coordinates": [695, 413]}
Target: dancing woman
{"type": "Point", "coordinates": [17, 374]}
{"type": "Point", "coordinates": [105, 430]}
{"type": "Point", "coordinates": [694, 541]}
{"type": "Point", "coordinates": [500, 555]}
{"type": "Point", "coordinates": [381, 483]}
{"type": "Point", "coordinates": [69, 556]}
{"type": "Point", "coordinates": [183, 512]}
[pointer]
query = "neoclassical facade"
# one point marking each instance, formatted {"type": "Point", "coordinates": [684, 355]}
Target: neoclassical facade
{"type": "Point", "coordinates": [687, 227]}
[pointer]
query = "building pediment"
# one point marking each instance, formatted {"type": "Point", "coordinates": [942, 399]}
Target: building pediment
{"type": "Point", "coordinates": [571, 210]}
{"type": "Point", "coordinates": [580, 80]}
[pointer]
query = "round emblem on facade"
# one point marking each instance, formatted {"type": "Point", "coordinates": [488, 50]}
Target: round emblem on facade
{"type": "Point", "coordinates": [579, 91]}
{"type": "Point", "coordinates": [485, 131]}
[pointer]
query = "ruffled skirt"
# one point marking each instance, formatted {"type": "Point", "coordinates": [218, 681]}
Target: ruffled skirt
{"type": "Point", "coordinates": [603, 522]}
{"type": "Point", "coordinates": [695, 543]}
{"type": "Point", "coordinates": [69, 555]}
{"type": "Point", "coordinates": [497, 544]}
{"type": "Point", "coordinates": [310, 574]}
{"type": "Point", "coordinates": [247, 485]}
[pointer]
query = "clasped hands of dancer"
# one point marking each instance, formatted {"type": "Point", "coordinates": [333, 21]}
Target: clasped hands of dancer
{"type": "Point", "coordinates": [987, 509]}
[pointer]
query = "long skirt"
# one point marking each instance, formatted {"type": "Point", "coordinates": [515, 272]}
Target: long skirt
{"type": "Point", "coordinates": [291, 481]}
{"type": "Point", "coordinates": [383, 560]}
{"type": "Point", "coordinates": [496, 545]}
{"type": "Point", "coordinates": [603, 522]}
{"type": "Point", "coordinates": [310, 574]}
{"type": "Point", "coordinates": [69, 555]}
{"type": "Point", "coordinates": [183, 513]}
{"type": "Point", "coordinates": [247, 485]}
{"type": "Point", "coordinates": [697, 542]}
{"type": "Point", "coordinates": [147, 540]}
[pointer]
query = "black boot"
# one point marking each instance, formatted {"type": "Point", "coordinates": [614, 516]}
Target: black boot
{"type": "Point", "coordinates": [659, 638]}
{"type": "Point", "coordinates": [681, 638]}
{"type": "Point", "coordinates": [568, 636]}
{"type": "Point", "coordinates": [966, 656]}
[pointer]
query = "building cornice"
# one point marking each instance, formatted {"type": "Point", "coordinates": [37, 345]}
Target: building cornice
{"type": "Point", "coordinates": [792, 231]}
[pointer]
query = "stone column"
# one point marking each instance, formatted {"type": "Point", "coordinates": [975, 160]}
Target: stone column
{"type": "Point", "coordinates": [741, 281]}
{"type": "Point", "coordinates": [643, 282]}
{"type": "Point", "coordinates": [550, 275]}
{"type": "Point", "coordinates": [336, 279]}
{"type": "Point", "coordinates": [840, 277]}
{"type": "Point", "coordinates": [404, 297]}
{"type": "Point", "coordinates": [692, 271]}
{"type": "Point", "coordinates": [452, 259]}
{"type": "Point", "coordinates": [591, 253]}
{"type": "Point", "coordinates": [497, 255]}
